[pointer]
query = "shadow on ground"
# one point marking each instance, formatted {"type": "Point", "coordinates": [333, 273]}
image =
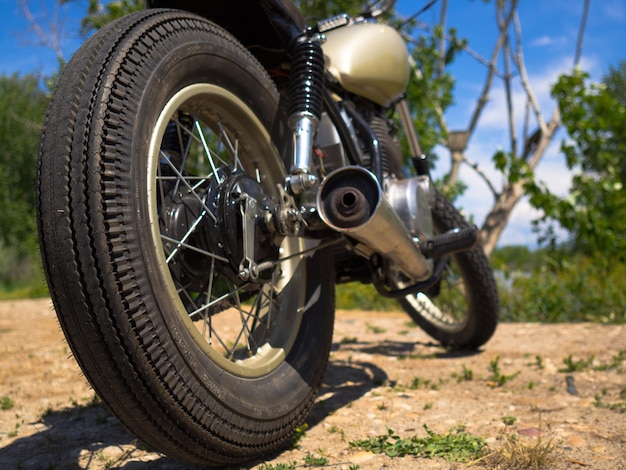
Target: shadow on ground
{"type": "Point", "coordinates": [91, 437]}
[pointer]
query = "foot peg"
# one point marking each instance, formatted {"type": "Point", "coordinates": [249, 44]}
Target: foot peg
{"type": "Point", "coordinates": [451, 242]}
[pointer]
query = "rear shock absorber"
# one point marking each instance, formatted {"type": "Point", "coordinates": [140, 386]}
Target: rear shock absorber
{"type": "Point", "coordinates": [306, 91]}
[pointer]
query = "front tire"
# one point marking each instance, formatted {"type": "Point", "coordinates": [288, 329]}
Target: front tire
{"type": "Point", "coordinates": [160, 130]}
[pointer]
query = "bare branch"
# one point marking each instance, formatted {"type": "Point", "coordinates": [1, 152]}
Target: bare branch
{"type": "Point", "coordinates": [484, 96]}
{"type": "Point", "coordinates": [482, 175]}
{"type": "Point", "coordinates": [507, 85]}
{"type": "Point", "coordinates": [518, 58]}
{"type": "Point", "coordinates": [546, 137]}
{"type": "Point", "coordinates": [466, 48]}
{"type": "Point", "coordinates": [581, 34]}
{"type": "Point", "coordinates": [51, 40]}
{"type": "Point", "coordinates": [442, 40]}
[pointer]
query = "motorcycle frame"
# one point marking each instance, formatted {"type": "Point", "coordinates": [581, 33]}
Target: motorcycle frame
{"type": "Point", "coordinates": [270, 42]}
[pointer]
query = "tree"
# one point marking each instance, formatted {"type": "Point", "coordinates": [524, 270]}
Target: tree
{"type": "Point", "coordinates": [595, 118]}
{"type": "Point", "coordinates": [506, 63]}
{"type": "Point", "coordinates": [22, 108]}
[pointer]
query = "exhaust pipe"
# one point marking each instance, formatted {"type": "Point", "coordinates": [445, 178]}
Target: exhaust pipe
{"type": "Point", "coordinates": [351, 201]}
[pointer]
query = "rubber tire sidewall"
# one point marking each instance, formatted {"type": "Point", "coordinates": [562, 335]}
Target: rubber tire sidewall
{"type": "Point", "coordinates": [482, 297]}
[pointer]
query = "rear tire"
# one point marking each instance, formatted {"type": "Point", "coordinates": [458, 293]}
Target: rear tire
{"type": "Point", "coordinates": [141, 274]}
{"type": "Point", "coordinates": [461, 310]}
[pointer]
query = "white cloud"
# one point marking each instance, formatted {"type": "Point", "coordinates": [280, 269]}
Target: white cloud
{"type": "Point", "coordinates": [547, 41]}
{"type": "Point", "coordinates": [614, 10]}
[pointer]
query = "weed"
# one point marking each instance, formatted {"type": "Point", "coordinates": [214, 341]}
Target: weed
{"type": "Point", "coordinates": [497, 378]}
{"type": "Point", "coordinates": [509, 420]}
{"type": "Point", "coordinates": [6, 403]}
{"type": "Point", "coordinates": [539, 362]}
{"type": "Point", "coordinates": [279, 466]}
{"type": "Point", "coordinates": [298, 434]}
{"type": "Point", "coordinates": [515, 454]}
{"type": "Point", "coordinates": [619, 406]}
{"type": "Point", "coordinates": [455, 446]}
{"type": "Point", "coordinates": [428, 405]}
{"type": "Point", "coordinates": [336, 430]}
{"type": "Point", "coordinates": [354, 467]}
{"type": "Point", "coordinates": [313, 461]}
{"type": "Point", "coordinates": [427, 384]}
{"type": "Point", "coordinates": [575, 366]}
{"type": "Point", "coordinates": [346, 340]}
{"type": "Point", "coordinates": [530, 385]}
{"type": "Point", "coordinates": [416, 356]}
{"type": "Point", "coordinates": [466, 375]}
{"type": "Point", "coordinates": [107, 461]}
{"type": "Point", "coordinates": [616, 362]}
{"type": "Point", "coordinates": [376, 329]}
{"type": "Point", "coordinates": [15, 431]}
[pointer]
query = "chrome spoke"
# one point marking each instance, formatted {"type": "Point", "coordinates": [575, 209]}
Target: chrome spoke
{"type": "Point", "coordinates": [244, 326]}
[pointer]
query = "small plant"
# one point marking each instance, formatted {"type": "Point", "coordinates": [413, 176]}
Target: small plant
{"type": "Point", "coordinates": [428, 405]}
{"type": "Point", "coordinates": [313, 461]}
{"type": "Point", "coordinates": [620, 407]}
{"type": "Point", "coordinates": [298, 434]}
{"type": "Point", "coordinates": [427, 384]}
{"type": "Point", "coordinates": [509, 420]}
{"type": "Point", "coordinates": [616, 362]}
{"type": "Point", "coordinates": [516, 454]}
{"type": "Point", "coordinates": [6, 403]}
{"type": "Point", "coordinates": [334, 429]}
{"type": "Point", "coordinates": [351, 340]}
{"type": "Point", "coordinates": [279, 466]}
{"type": "Point", "coordinates": [107, 461]}
{"type": "Point", "coordinates": [376, 329]}
{"type": "Point", "coordinates": [466, 375]}
{"type": "Point", "coordinates": [575, 366]}
{"type": "Point", "coordinates": [15, 431]}
{"type": "Point", "coordinates": [455, 446]}
{"type": "Point", "coordinates": [497, 378]}
{"type": "Point", "coordinates": [539, 362]}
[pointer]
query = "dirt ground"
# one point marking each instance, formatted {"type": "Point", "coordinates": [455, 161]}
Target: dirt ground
{"type": "Point", "coordinates": [383, 374]}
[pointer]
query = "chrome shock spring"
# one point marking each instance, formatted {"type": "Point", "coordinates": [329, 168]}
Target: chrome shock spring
{"type": "Point", "coordinates": [305, 103]}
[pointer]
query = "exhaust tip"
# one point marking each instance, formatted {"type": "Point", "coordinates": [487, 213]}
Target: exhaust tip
{"type": "Point", "coordinates": [348, 198]}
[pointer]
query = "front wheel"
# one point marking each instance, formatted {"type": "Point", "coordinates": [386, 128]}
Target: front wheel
{"type": "Point", "coordinates": [461, 310]}
{"type": "Point", "coordinates": [205, 330]}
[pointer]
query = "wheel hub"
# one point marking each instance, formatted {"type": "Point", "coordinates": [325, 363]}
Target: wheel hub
{"type": "Point", "coordinates": [231, 220]}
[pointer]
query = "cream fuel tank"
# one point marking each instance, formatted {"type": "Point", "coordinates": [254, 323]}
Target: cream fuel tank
{"type": "Point", "coordinates": [369, 60]}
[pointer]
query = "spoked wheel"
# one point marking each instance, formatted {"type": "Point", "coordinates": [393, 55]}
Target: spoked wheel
{"type": "Point", "coordinates": [461, 310]}
{"type": "Point", "coordinates": [195, 314]}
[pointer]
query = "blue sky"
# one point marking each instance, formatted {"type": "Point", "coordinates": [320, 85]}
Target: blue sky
{"type": "Point", "coordinates": [549, 31]}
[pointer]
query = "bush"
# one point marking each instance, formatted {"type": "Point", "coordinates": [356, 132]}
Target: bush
{"type": "Point", "coordinates": [21, 276]}
{"type": "Point", "coordinates": [571, 289]}
{"type": "Point", "coordinates": [358, 296]}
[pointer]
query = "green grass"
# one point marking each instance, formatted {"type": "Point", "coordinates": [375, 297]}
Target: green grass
{"type": "Point", "coordinates": [454, 446]}
{"type": "Point", "coordinates": [6, 403]}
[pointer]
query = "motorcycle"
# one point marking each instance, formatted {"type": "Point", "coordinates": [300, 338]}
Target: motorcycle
{"type": "Point", "coordinates": [205, 180]}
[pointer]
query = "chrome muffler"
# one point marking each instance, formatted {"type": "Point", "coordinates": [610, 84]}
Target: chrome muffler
{"type": "Point", "coordinates": [351, 201]}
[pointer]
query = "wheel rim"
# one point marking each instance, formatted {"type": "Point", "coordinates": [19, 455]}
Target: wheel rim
{"type": "Point", "coordinates": [447, 307]}
{"type": "Point", "coordinates": [205, 137]}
